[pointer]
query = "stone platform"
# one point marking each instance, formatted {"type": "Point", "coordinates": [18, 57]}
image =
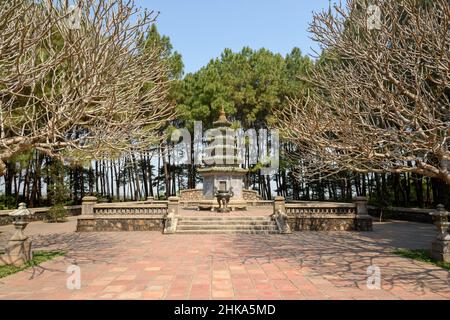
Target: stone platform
{"type": "Point", "coordinates": [211, 205]}
{"type": "Point", "coordinates": [253, 221]}
{"type": "Point", "coordinates": [250, 212]}
{"type": "Point", "coordinates": [164, 216]}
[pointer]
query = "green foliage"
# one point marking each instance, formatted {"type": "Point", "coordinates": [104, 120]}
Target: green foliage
{"type": "Point", "coordinates": [248, 84]}
{"type": "Point", "coordinates": [421, 255]}
{"type": "Point", "coordinates": [56, 213]}
{"type": "Point", "coordinates": [38, 258]}
{"type": "Point", "coordinates": [172, 58]}
{"type": "Point", "coordinates": [7, 202]}
{"type": "Point", "coordinates": [58, 190]}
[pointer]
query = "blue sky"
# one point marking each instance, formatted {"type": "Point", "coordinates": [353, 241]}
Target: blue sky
{"type": "Point", "coordinates": [201, 29]}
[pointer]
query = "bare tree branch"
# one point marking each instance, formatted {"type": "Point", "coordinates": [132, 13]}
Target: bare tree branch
{"type": "Point", "coordinates": [378, 99]}
{"type": "Point", "coordinates": [80, 93]}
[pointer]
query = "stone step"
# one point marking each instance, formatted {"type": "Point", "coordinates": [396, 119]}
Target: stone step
{"type": "Point", "coordinates": [227, 231]}
{"type": "Point", "coordinates": [221, 222]}
{"type": "Point", "coordinates": [224, 219]}
{"type": "Point", "coordinates": [226, 224]}
{"type": "Point", "coordinates": [227, 227]}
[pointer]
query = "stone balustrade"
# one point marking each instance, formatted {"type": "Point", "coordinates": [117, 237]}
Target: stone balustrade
{"type": "Point", "coordinates": [320, 208]}
{"type": "Point", "coordinates": [148, 215]}
{"type": "Point", "coordinates": [127, 209]}
{"type": "Point", "coordinates": [325, 216]}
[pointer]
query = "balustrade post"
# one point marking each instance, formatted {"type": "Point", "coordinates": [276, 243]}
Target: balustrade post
{"type": "Point", "coordinates": [363, 219]}
{"type": "Point", "coordinates": [173, 205]}
{"type": "Point", "coordinates": [87, 205]}
{"type": "Point", "coordinates": [279, 204]}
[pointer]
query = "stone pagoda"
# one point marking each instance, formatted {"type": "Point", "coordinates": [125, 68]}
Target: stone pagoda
{"type": "Point", "coordinates": [222, 170]}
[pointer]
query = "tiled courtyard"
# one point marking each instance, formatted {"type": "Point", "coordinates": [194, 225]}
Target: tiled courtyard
{"type": "Point", "coordinates": [303, 265]}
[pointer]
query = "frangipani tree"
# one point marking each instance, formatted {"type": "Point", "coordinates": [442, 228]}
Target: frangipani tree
{"type": "Point", "coordinates": [379, 97]}
{"type": "Point", "coordinates": [76, 82]}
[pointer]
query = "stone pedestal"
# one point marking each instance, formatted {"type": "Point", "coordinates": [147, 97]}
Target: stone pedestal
{"type": "Point", "coordinates": [440, 247]}
{"type": "Point", "coordinates": [87, 205]}
{"type": "Point", "coordinates": [18, 250]}
{"type": "Point", "coordinates": [173, 205]}
{"type": "Point", "coordinates": [17, 253]}
{"type": "Point", "coordinates": [363, 219]}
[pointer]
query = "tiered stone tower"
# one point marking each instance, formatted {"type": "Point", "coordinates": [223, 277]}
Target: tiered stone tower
{"type": "Point", "coordinates": [222, 169]}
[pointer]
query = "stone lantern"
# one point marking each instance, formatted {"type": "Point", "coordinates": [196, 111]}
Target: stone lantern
{"type": "Point", "coordinates": [18, 250]}
{"type": "Point", "coordinates": [440, 247]}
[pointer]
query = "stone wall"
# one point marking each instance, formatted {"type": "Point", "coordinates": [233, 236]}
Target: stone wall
{"type": "Point", "coordinates": [146, 215]}
{"type": "Point", "coordinates": [250, 195]}
{"type": "Point", "coordinates": [405, 214]}
{"type": "Point", "coordinates": [324, 216]}
{"type": "Point", "coordinates": [191, 195]}
{"type": "Point", "coordinates": [337, 223]}
{"type": "Point", "coordinates": [124, 223]}
{"type": "Point", "coordinates": [38, 214]}
{"type": "Point", "coordinates": [197, 194]}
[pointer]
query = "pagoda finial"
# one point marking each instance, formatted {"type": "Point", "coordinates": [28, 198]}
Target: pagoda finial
{"type": "Point", "coordinates": [222, 118]}
{"type": "Point", "coordinates": [223, 115]}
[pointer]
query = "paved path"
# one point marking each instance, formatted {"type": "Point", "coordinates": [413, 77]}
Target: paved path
{"type": "Point", "coordinates": [304, 265]}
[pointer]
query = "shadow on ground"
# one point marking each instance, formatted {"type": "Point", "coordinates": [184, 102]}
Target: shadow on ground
{"type": "Point", "coordinates": [343, 257]}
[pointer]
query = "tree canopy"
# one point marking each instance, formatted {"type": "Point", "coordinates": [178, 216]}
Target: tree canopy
{"type": "Point", "coordinates": [380, 96]}
{"type": "Point", "coordinates": [248, 84]}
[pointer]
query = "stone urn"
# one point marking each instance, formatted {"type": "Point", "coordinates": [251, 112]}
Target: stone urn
{"type": "Point", "coordinates": [223, 198]}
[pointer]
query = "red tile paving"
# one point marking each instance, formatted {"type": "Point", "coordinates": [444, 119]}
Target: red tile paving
{"type": "Point", "coordinates": [303, 265]}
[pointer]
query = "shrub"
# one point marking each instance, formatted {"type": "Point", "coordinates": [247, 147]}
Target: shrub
{"type": "Point", "coordinates": [7, 202]}
{"type": "Point", "coordinates": [57, 213]}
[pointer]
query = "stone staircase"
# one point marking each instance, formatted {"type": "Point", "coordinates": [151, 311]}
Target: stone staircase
{"type": "Point", "coordinates": [226, 224]}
